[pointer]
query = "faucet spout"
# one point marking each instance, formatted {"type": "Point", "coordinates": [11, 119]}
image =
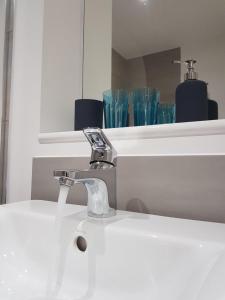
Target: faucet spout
{"type": "Point", "coordinates": [101, 188]}
{"type": "Point", "coordinates": [100, 185]}
{"type": "Point", "coordinates": [99, 179]}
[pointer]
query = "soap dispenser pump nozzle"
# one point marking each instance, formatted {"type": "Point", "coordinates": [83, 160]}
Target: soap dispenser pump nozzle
{"type": "Point", "coordinates": [191, 74]}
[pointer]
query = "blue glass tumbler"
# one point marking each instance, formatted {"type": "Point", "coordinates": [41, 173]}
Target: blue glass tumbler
{"type": "Point", "coordinates": [145, 102]}
{"type": "Point", "coordinates": [115, 105]}
{"type": "Point", "coordinates": [166, 113]}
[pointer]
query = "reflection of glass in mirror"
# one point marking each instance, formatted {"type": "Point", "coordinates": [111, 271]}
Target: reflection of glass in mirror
{"type": "Point", "coordinates": [115, 108]}
{"type": "Point", "coordinates": [166, 113]}
{"type": "Point", "coordinates": [144, 105]}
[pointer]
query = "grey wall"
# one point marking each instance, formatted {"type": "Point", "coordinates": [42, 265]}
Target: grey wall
{"type": "Point", "coordinates": [127, 73]}
{"type": "Point", "coordinates": [119, 71]}
{"type": "Point", "coordinates": [187, 186]}
{"type": "Point", "coordinates": [137, 73]}
{"type": "Point", "coordinates": [162, 74]}
{"type": "Point", "coordinates": [153, 70]}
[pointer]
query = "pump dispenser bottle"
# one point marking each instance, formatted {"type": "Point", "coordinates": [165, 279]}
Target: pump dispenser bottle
{"type": "Point", "coordinates": [191, 96]}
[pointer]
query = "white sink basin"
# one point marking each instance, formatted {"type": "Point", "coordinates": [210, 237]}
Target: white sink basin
{"type": "Point", "coordinates": [130, 256]}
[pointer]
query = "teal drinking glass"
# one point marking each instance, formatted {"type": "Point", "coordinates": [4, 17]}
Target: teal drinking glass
{"type": "Point", "coordinates": [166, 113]}
{"type": "Point", "coordinates": [115, 103]}
{"type": "Point", "coordinates": [144, 103]}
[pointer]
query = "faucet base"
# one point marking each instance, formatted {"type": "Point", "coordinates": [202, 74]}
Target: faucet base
{"type": "Point", "coordinates": [111, 212]}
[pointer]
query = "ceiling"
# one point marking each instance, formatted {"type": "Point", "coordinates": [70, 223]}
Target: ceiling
{"type": "Point", "coordinates": [142, 27]}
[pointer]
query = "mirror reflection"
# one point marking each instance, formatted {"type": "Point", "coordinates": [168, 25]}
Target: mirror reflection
{"type": "Point", "coordinates": [176, 47]}
{"type": "Point", "coordinates": [149, 61]}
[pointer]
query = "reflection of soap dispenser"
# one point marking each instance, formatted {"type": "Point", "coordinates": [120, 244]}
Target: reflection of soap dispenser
{"type": "Point", "coordinates": [212, 110]}
{"type": "Point", "coordinates": [191, 96]}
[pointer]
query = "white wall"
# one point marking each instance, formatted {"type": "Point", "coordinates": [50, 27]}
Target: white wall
{"type": "Point", "coordinates": [2, 35]}
{"type": "Point", "coordinates": [61, 63]}
{"type": "Point", "coordinates": [97, 48]}
{"type": "Point", "coordinates": [210, 56]}
{"type": "Point", "coordinates": [25, 112]}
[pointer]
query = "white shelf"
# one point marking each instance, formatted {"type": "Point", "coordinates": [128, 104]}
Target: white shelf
{"type": "Point", "coordinates": [202, 128]}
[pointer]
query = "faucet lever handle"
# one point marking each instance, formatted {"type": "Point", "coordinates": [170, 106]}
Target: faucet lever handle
{"type": "Point", "coordinates": [102, 149]}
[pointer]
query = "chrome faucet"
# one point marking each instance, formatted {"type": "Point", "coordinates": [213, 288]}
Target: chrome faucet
{"type": "Point", "coordinates": [99, 179]}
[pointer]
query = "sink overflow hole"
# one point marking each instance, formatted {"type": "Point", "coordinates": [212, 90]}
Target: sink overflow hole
{"type": "Point", "coordinates": [81, 243]}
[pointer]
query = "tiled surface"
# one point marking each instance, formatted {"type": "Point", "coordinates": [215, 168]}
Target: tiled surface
{"type": "Point", "coordinates": [187, 187]}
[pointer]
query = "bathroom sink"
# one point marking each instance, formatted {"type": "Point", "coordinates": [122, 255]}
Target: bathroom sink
{"type": "Point", "coordinates": [130, 256]}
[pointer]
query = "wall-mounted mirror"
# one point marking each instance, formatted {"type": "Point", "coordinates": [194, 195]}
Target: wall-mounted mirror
{"type": "Point", "coordinates": [129, 45]}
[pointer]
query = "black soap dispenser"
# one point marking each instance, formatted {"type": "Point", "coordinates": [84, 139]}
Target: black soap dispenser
{"type": "Point", "coordinates": [212, 110]}
{"type": "Point", "coordinates": [191, 96]}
